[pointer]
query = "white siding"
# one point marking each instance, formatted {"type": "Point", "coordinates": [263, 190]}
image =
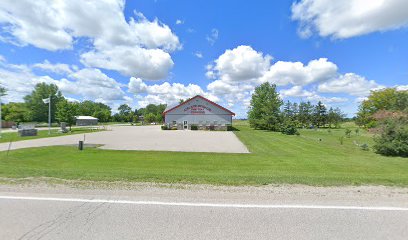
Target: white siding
{"type": "Point", "coordinates": [198, 111]}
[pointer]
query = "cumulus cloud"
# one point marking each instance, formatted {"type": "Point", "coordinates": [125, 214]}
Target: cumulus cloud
{"type": "Point", "coordinates": [237, 72]}
{"type": "Point", "coordinates": [239, 64]}
{"type": "Point", "coordinates": [152, 64]}
{"type": "Point", "coordinates": [349, 83]}
{"type": "Point", "coordinates": [59, 68]}
{"type": "Point", "coordinates": [178, 22]}
{"type": "Point", "coordinates": [345, 19]}
{"type": "Point", "coordinates": [91, 83]}
{"type": "Point", "coordinates": [165, 93]}
{"type": "Point", "coordinates": [56, 25]}
{"type": "Point", "coordinates": [299, 92]}
{"type": "Point", "coordinates": [87, 83]}
{"type": "Point", "coordinates": [296, 73]}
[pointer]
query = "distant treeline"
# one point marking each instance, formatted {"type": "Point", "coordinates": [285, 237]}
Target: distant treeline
{"type": "Point", "coordinates": [33, 109]}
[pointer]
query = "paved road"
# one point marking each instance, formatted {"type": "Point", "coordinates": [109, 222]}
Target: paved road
{"type": "Point", "coordinates": [80, 216]}
{"type": "Point", "coordinates": [145, 138]}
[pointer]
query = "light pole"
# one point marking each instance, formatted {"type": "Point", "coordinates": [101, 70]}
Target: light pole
{"type": "Point", "coordinates": [2, 93]}
{"type": "Point", "coordinates": [1, 123]}
{"type": "Point", "coordinates": [48, 100]}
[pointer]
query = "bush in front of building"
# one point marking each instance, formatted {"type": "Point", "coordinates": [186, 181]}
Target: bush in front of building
{"type": "Point", "coordinates": [164, 127]}
{"type": "Point", "coordinates": [194, 127]}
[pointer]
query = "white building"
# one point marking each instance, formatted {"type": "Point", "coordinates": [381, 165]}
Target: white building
{"type": "Point", "coordinates": [86, 121]}
{"type": "Point", "coordinates": [198, 111]}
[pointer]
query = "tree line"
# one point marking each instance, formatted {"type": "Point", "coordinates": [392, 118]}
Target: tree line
{"type": "Point", "coordinates": [267, 111]}
{"type": "Point", "coordinates": [33, 109]}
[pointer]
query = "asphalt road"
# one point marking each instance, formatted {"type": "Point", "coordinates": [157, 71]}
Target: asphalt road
{"type": "Point", "coordinates": [79, 216]}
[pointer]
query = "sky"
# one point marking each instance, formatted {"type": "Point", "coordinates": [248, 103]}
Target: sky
{"type": "Point", "coordinates": [161, 51]}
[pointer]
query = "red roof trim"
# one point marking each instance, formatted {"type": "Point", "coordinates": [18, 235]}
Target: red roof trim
{"type": "Point", "coordinates": [205, 99]}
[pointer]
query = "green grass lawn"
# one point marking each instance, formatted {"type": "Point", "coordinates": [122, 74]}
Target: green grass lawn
{"type": "Point", "coordinates": [42, 133]}
{"type": "Point", "coordinates": [316, 157]}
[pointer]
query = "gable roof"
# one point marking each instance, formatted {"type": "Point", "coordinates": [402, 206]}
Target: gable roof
{"type": "Point", "coordinates": [168, 109]}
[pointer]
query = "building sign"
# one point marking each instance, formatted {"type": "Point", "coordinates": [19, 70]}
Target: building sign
{"type": "Point", "coordinates": [197, 109]}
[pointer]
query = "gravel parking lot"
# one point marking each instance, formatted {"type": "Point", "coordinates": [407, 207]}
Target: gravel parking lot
{"type": "Point", "coordinates": [146, 138]}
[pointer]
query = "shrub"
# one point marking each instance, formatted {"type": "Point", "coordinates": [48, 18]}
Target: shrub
{"type": "Point", "coordinates": [174, 128]}
{"type": "Point", "coordinates": [230, 128]}
{"type": "Point", "coordinates": [289, 128]}
{"type": "Point", "coordinates": [364, 147]}
{"type": "Point", "coordinates": [164, 127]}
{"type": "Point", "coordinates": [348, 132]}
{"type": "Point", "coordinates": [194, 127]}
{"type": "Point", "coordinates": [393, 139]}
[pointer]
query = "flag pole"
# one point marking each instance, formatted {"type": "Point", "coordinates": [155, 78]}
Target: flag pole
{"type": "Point", "coordinates": [49, 116]}
{"type": "Point", "coordinates": [0, 117]}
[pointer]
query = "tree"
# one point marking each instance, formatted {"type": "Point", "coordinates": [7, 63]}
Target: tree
{"type": "Point", "coordinates": [95, 109]}
{"type": "Point", "coordinates": [150, 117]}
{"type": "Point", "coordinates": [320, 115]}
{"type": "Point", "coordinates": [264, 110]}
{"type": "Point", "coordinates": [66, 112]}
{"type": "Point", "coordinates": [287, 109]}
{"type": "Point", "coordinates": [393, 138]}
{"type": "Point", "coordinates": [3, 91]}
{"type": "Point", "coordinates": [389, 99]}
{"type": "Point", "coordinates": [125, 113]}
{"type": "Point", "coordinates": [103, 115]}
{"type": "Point", "coordinates": [305, 113]}
{"type": "Point", "coordinates": [334, 117]}
{"type": "Point", "coordinates": [15, 112]}
{"type": "Point", "coordinates": [34, 102]}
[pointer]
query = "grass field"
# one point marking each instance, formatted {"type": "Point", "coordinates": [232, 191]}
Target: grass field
{"type": "Point", "coordinates": [316, 157]}
{"type": "Point", "coordinates": [42, 133]}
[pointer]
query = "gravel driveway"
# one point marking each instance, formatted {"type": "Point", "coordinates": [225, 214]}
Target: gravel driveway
{"type": "Point", "coordinates": [146, 138]}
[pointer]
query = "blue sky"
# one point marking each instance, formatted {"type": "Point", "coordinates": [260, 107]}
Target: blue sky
{"type": "Point", "coordinates": [140, 52]}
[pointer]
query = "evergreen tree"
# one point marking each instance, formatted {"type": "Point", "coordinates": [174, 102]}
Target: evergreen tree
{"type": "Point", "coordinates": [320, 115]}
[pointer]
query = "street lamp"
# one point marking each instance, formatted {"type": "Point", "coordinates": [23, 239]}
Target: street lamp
{"type": "Point", "coordinates": [2, 93]}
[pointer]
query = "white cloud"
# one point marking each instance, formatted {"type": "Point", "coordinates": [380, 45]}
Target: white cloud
{"type": "Point", "coordinates": [349, 83]}
{"type": "Point", "coordinates": [299, 92]}
{"type": "Point", "coordinates": [345, 19]}
{"type": "Point", "coordinates": [240, 64]}
{"type": "Point", "coordinates": [164, 93]}
{"type": "Point", "coordinates": [178, 22]}
{"type": "Point", "coordinates": [56, 25]}
{"type": "Point", "coordinates": [213, 37]}
{"type": "Point", "coordinates": [91, 83]}
{"type": "Point", "coordinates": [152, 64]}
{"type": "Point", "coordinates": [19, 81]}
{"type": "Point", "coordinates": [59, 68]}
{"type": "Point", "coordinates": [198, 54]}
{"type": "Point", "coordinates": [296, 73]}
{"type": "Point", "coordinates": [87, 83]}
{"type": "Point", "coordinates": [402, 87]}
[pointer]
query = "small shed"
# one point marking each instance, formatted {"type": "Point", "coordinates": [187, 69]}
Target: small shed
{"type": "Point", "coordinates": [86, 121]}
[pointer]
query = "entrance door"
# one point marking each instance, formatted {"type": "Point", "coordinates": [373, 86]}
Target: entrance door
{"type": "Point", "coordinates": [185, 124]}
